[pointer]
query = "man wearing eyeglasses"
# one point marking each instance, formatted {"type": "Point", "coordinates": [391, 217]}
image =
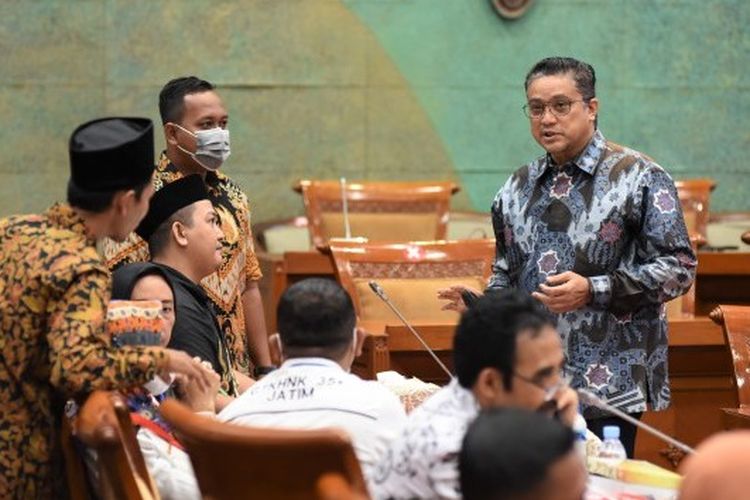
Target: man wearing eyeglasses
{"type": "Point", "coordinates": [507, 354]}
{"type": "Point", "coordinates": [594, 231]}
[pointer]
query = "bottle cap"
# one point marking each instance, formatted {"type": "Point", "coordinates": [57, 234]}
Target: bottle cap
{"type": "Point", "coordinates": [611, 432]}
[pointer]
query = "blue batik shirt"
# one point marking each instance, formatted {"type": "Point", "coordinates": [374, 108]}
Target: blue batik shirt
{"type": "Point", "coordinates": [613, 216]}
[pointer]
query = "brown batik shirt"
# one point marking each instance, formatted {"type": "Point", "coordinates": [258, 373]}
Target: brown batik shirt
{"type": "Point", "coordinates": [54, 288]}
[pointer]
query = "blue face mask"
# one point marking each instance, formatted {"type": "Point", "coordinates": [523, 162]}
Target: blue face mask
{"type": "Point", "coordinates": [212, 147]}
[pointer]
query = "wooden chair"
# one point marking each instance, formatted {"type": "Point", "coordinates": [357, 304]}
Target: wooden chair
{"type": "Point", "coordinates": [411, 274]}
{"type": "Point", "coordinates": [104, 425]}
{"type": "Point", "coordinates": [735, 321]}
{"type": "Point", "coordinates": [379, 211]}
{"type": "Point", "coordinates": [695, 195]}
{"type": "Point", "coordinates": [79, 487]}
{"type": "Point", "coordinates": [237, 462]}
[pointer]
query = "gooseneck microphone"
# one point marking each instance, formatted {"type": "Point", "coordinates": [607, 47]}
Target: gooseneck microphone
{"type": "Point", "coordinates": [382, 295]}
{"type": "Point", "coordinates": [345, 208]}
{"type": "Point", "coordinates": [598, 402]}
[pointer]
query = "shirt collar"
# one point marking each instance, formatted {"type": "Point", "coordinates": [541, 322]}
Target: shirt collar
{"type": "Point", "coordinates": [587, 160]}
{"type": "Point", "coordinates": [311, 361]}
{"type": "Point", "coordinates": [168, 172]}
{"type": "Point", "coordinates": [63, 216]}
{"type": "Point", "coordinates": [465, 397]}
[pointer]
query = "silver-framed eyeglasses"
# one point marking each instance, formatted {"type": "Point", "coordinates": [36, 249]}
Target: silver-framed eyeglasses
{"type": "Point", "coordinates": [559, 107]}
{"type": "Point", "coordinates": [549, 392]}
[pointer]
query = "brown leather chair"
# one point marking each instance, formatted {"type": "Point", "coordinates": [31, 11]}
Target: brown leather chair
{"type": "Point", "coordinates": [238, 462]}
{"type": "Point", "coordinates": [695, 195]}
{"type": "Point", "coordinates": [411, 274]}
{"type": "Point", "coordinates": [379, 211]}
{"type": "Point", "coordinates": [104, 425]}
{"type": "Point", "coordinates": [735, 321]}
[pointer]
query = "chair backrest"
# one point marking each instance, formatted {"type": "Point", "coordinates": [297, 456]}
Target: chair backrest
{"type": "Point", "coordinates": [735, 321]}
{"type": "Point", "coordinates": [79, 487]}
{"type": "Point", "coordinates": [411, 274]}
{"type": "Point", "coordinates": [282, 235]}
{"type": "Point", "coordinates": [695, 195]}
{"type": "Point", "coordinates": [379, 211]}
{"type": "Point", "coordinates": [104, 425]}
{"type": "Point", "coordinates": [237, 462]}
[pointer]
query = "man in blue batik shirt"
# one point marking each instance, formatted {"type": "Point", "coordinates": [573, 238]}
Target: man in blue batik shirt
{"type": "Point", "coordinates": [593, 230]}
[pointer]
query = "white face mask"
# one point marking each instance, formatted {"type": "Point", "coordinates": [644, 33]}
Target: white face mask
{"type": "Point", "coordinates": [212, 147]}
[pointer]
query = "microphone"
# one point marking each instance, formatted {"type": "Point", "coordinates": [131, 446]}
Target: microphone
{"type": "Point", "coordinates": [382, 296]}
{"type": "Point", "coordinates": [598, 402]}
{"type": "Point", "coordinates": [345, 209]}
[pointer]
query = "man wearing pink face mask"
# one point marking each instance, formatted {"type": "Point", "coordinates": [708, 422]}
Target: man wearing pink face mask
{"type": "Point", "coordinates": [197, 142]}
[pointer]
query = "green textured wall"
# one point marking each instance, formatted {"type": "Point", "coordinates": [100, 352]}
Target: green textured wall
{"type": "Point", "coordinates": [374, 89]}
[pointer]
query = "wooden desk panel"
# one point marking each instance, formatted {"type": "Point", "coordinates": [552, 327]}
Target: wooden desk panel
{"type": "Point", "coordinates": [723, 278]}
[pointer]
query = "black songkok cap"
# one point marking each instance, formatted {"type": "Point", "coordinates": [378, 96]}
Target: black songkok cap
{"type": "Point", "coordinates": [110, 154]}
{"type": "Point", "coordinates": [169, 199]}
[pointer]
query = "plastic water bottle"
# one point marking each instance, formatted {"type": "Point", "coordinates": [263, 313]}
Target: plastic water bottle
{"type": "Point", "coordinates": [579, 429]}
{"type": "Point", "coordinates": [611, 450]}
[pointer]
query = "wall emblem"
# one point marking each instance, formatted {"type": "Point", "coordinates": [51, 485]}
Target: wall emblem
{"type": "Point", "coordinates": [511, 9]}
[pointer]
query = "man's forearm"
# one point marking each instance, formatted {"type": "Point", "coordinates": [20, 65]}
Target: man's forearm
{"type": "Point", "coordinates": [255, 325]}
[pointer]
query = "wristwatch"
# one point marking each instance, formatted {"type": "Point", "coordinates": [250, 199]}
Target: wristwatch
{"type": "Point", "coordinates": [259, 371]}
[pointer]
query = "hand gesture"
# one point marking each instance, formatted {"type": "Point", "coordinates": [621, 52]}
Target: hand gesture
{"type": "Point", "coordinates": [195, 396]}
{"type": "Point", "coordinates": [453, 295]}
{"type": "Point", "coordinates": [564, 292]}
{"type": "Point", "coordinates": [191, 369]}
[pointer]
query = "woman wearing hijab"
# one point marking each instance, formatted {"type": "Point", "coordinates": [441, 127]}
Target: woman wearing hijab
{"type": "Point", "coordinates": [168, 463]}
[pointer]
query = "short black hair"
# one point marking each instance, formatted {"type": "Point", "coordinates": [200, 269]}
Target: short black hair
{"type": "Point", "coordinates": [97, 201]}
{"type": "Point", "coordinates": [583, 74]}
{"type": "Point", "coordinates": [315, 317]}
{"type": "Point", "coordinates": [486, 335]}
{"type": "Point", "coordinates": [507, 452]}
{"type": "Point", "coordinates": [172, 96]}
{"type": "Point", "coordinates": [160, 238]}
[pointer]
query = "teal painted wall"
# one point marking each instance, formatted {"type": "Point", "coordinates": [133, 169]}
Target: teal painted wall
{"type": "Point", "coordinates": [374, 89]}
{"type": "Point", "coordinates": [673, 80]}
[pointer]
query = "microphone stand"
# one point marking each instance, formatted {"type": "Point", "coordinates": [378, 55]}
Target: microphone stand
{"type": "Point", "coordinates": [596, 401]}
{"type": "Point", "coordinates": [345, 209]}
{"type": "Point", "coordinates": [382, 295]}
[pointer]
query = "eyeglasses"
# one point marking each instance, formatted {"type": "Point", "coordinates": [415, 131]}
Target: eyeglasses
{"type": "Point", "coordinates": [549, 392]}
{"type": "Point", "coordinates": [559, 108]}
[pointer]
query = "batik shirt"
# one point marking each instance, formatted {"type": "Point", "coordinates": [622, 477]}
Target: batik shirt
{"type": "Point", "coordinates": [422, 462]}
{"type": "Point", "coordinates": [54, 288]}
{"type": "Point", "coordinates": [613, 216]}
{"type": "Point", "coordinates": [240, 265]}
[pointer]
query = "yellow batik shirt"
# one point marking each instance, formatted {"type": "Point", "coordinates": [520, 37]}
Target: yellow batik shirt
{"type": "Point", "coordinates": [240, 265]}
{"type": "Point", "coordinates": [54, 288]}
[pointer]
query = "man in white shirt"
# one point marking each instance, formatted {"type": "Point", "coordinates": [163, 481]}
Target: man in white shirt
{"type": "Point", "coordinates": [506, 353]}
{"type": "Point", "coordinates": [313, 387]}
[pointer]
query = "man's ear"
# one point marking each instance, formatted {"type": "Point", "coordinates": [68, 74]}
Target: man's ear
{"type": "Point", "coordinates": [123, 201]}
{"type": "Point", "coordinates": [178, 234]}
{"type": "Point", "coordinates": [170, 133]}
{"type": "Point", "coordinates": [593, 108]}
{"type": "Point", "coordinates": [359, 341]}
{"type": "Point", "coordinates": [489, 388]}
{"type": "Point", "coordinates": [275, 349]}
